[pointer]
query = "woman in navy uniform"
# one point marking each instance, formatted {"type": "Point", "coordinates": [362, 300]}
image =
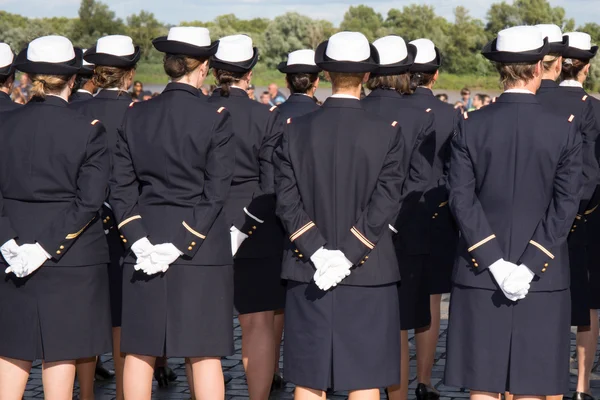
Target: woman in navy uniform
{"type": "Point", "coordinates": [302, 78]}
{"type": "Point", "coordinates": [172, 171]}
{"type": "Point", "coordinates": [515, 185]}
{"type": "Point", "coordinates": [7, 78]}
{"type": "Point", "coordinates": [387, 84]}
{"type": "Point", "coordinates": [115, 58]}
{"type": "Point", "coordinates": [84, 85]}
{"type": "Point", "coordinates": [53, 179]}
{"type": "Point", "coordinates": [339, 180]}
{"type": "Point", "coordinates": [575, 70]}
{"type": "Point", "coordinates": [442, 232]}
{"type": "Point", "coordinates": [250, 209]}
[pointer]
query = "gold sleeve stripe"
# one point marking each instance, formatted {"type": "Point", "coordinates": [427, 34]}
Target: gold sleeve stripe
{"type": "Point", "coordinates": [94, 122]}
{"type": "Point", "coordinates": [571, 118]}
{"type": "Point", "coordinates": [71, 236]}
{"type": "Point", "coordinates": [542, 248]}
{"type": "Point", "coordinates": [220, 110]}
{"type": "Point", "coordinates": [591, 210]}
{"type": "Point", "coordinates": [128, 220]}
{"type": "Point", "coordinates": [193, 232]}
{"type": "Point", "coordinates": [481, 243]}
{"type": "Point", "coordinates": [578, 217]}
{"type": "Point", "coordinates": [302, 231]}
{"type": "Point", "coordinates": [445, 203]}
{"type": "Point", "coordinates": [362, 238]}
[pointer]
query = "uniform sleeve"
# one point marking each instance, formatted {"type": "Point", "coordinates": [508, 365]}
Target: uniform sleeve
{"type": "Point", "coordinates": [555, 225]}
{"type": "Point", "coordinates": [7, 232]}
{"type": "Point", "coordinates": [384, 204]}
{"type": "Point", "coordinates": [218, 173]}
{"type": "Point", "coordinates": [589, 135]}
{"type": "Point", "coordinates": [92, 183]}
{"type": "Point", "coordinates": [263, 202]}
{"type": "Point", "coordinates": [420, 171]}
{"type": "Point", "coordinates": [124, 193]}
{"type": "Point", "coordinates": [304, 234]}
{"type": "Point", "coordinates": [465, 205]}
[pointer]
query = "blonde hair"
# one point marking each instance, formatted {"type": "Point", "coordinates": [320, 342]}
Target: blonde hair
{"type": "Point", "coordinates": [342, 80]}
{"type": "Point", "coordinates": [110, 77]}
{"type": "Point", "coordinates": [400, 82]}
{"type": "Point", "coordinates": [47, 84]}
{"type": "Point", "coordinates": [512, 74]}
{"type": "Point", "coordinates": [549, 61]}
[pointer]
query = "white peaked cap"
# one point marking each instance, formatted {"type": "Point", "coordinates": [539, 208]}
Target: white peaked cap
{"type": "Point", "coordinates": [85, 63]}
{"type": "Point", "coordinates": [301, 57]}
{"type": "Point", "coordinates": [580, 40]}
{"type": "Point", "coordinates": [519, 39]}
{"type": "Point", "coordinates": [193, 35]}
{"type": "Point", "coordinates": [235, 48]}
{"type": "Point", "coordinates": [348, 46]}
{"type": "Point", "coordinates": [392, 49]}
{"type": "Point", "coordinates": [50, 49]}
{"type": "Point", "coordinates": [552, 32]}
{"type": "Point", "coordinates": [425, 51]}
{"type": "Point", "coordinates": [115, 45]}
{"type": "Point", "coordinates": [6, 55]}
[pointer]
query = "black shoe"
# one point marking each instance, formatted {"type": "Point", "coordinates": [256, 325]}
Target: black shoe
{"type": "Point", "coordinates": [227, 378]}
{"type": "Point", "coordinates": [582, 396]}
{"type": "Point", "coordinates": [278, 382]}
{"type": "Point", "coordinates": [161, 376]}
{"type": "Point", "coordinates": [171, 375]}
{"type": "Point", "coordinates": [103, 374]}
{"type": "Point", "coordinates": [425, 392]}
{"type": "Point", "coordinates": [387, 394]}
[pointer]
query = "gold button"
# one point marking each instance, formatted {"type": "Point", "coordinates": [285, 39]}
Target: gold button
{"type": "Point", "coordinates": [543, 269]}
{"type": "Point", "coordinates": [253, 227]}
{"type": "Point", "coordinates": [105, 221]}
{"type": "Point", "coordinates": [300, 255]}
{"type": "Point", "coordinates": [57, 251]}
{"type": "Point", "coordinates": [249, 232]}
{"type": "Point", "coordinates": [474, 260]}
{"type": "Point", "coordinates": [122, 237]}
{"type": "Point", "coordinates": [108, 218]}
{"type": "Point", "coordinates": [296, 251]}
{"type": "Point", "coordinates": [124, 240]}
{"type": "Point", "coordinates": [190, 248]}
{"type": "Point", "coordinates": [362, 262]}
{"type": "Point", "coordinates": [476, 265]}
{"type": "Point", "coordinates": [62, 247]}
{"type": "Point", "coordinates": [433, 217]}
{"type": "Point", "coordinates": [572, 230]}
{"type": "Point", "coordinates": [574, 226]}
{"type": "Point", "coordinates": [545, 265]}
{"type": "Point", "coordinates": [436, 214]}
{"type": "Point", "coordinates": [193, 243]}
{"type": "Point", "coordinates": [366, 257]}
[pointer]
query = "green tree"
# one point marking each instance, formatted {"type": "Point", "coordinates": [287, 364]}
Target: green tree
{"type": "Point", "coordinates": [418, 21]}
{"type": "Point", "coordinates": [593, 29]}
{"type": "Point", "coordinates": [96, 19]}
{"type": "Point", "coordinates": [364, 19]}
{"type": "Point", "coordinates": [142, 28]}
{"type": "Point", "coordinates": [462, 55]}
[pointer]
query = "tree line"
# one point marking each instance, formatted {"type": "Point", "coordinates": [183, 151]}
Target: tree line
{"type": "Point", "coordinates": [460, 40]}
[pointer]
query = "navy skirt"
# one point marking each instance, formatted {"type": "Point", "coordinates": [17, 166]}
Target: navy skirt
{"type": "Point", "coordinates": [413, 292]}
{"type": "Point", "coordinates": [347, 338]}
{"type": "Point", "coordinates": [495, 345]}
{"type": "Point", "coordinates": [258, 285]}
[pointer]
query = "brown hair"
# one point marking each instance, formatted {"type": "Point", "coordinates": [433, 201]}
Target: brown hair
{"type": "Point", "coordinates": [549, 61]}
{"type": "Point", "coordinates": [571, 68]}
{"type": "Point", "coordinates": [6, 78]}
{"type": "Point", "coordinates": [47, 84]}
{"type": "Point", "coordinates": [343, 80]}
{"type": "Point", "coordinates": [401, 83]}
{"type": "Point", "coordinates": [110, 77]}
{"type": "Point", "coordinates": [424, 79]}
{"type": "Point", "coordinates": [228, 78]}
{"type": "Point", "coordinates": [301, 83]}
{"type": "Point", "coordinates": [511, 74]}
{"type": "Point", "coordinates": [177, 65]}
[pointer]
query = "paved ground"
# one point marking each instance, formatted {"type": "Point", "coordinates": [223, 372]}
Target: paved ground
{"type": "Point", "coordinates": [237, 389]}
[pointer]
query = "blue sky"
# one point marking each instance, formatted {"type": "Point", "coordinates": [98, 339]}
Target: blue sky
{"type": "Point", "coordinates": [174, 11]}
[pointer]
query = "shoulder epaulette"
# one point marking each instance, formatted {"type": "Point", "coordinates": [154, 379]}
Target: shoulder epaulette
{"type": "Point", "coordinates": [571, 118]}
{"type": "Point", "coordinates": [428, 110]}
{"type": "Point", "coordinates": [466, 115]}
{"type": "Point", "coordinates": [273, 108]}
{"type": "Point", "coordinates": [220, 110]}
{"type": "Point", "coordinates": [584, 98]}
{"type": "Point", "coordinates": [289, 121]}
{"type": "Point", "coordinates": [394, 123]}
{"type": "Point", "coordinates": [131, 104]}
{"type": "Point", "coordinates": [94, 122]}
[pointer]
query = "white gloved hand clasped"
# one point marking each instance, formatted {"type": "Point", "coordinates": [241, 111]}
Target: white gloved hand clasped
{"type": "Point", "coordinates": [519, 279]}
{"type": "Point", "coordinates": [501, 270]}
{"type": "Point", "coordinates": [337, 268]}
{"type": "Point", "coordinates": [237, 238]}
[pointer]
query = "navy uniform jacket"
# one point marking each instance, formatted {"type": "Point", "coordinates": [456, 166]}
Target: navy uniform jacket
{"type": "Point", "coordinates": [339, 183]}
{"type": "Point", "coordinates": [514, 190]}
{"type": "Point", "coordinates": [172, 172]}
{"type": "Point", "coordinates": [109, 106]}
{"type": "Point", "coordinates": [296, 105]}
{"type": "Point", "coordinates": [257, 132]}
{"type": "Point", "coordinates": [6, 103]}
{"type": "Point", "coordinates": [80, 96]}
{"type": "Point", "coordinates": [567, 101]}
{"type": "Point", "coordinates": [418, 129]}
{"type": "Point", "coordinates": [54, 171]}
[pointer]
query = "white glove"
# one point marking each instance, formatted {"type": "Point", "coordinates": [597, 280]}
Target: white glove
{"type": "Point", "coordinates": [337, 269]}
{"type": "Point", "coordinates": [143, 250]}
{"type": "Point", "coordinates": [164, 255]}
{"type": "Point", "coordinates": [237, 238]}
{"type": "Point", "coordinates": [35, 256]}
{"type": "Point", "coordinates": [519, 279]}
{"type": "Point", "coordinates": [500, 270]}
{"type": "Point", "coordinates": [11, 253]}
{"type": "Point", "coordinates": [320, 259]}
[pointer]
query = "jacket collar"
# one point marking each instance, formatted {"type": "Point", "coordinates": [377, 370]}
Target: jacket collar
{"type": "Point", "coordinates": [49, 100]}
{"type": "Point", "coordinates": [300, 98]}
{"type": "Point", "coordinates": [4, 96]}
{"type": "Point", "coordinates": [517, 98]}
{"type": "Point", "coordinates": [182, 87]}
{"type": "Point", "coordinates": [390, 93]}
{"type": "Point", "coordinates": [333, 102]}
{"type": "Point", "coordinates": [114, 95]}
{"type": "Point", "coordinates": [572, 89]}
{"type": "Point", "coordinates": [548, 84]}
{"type": "Point", "coordinates": [423, 91]}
